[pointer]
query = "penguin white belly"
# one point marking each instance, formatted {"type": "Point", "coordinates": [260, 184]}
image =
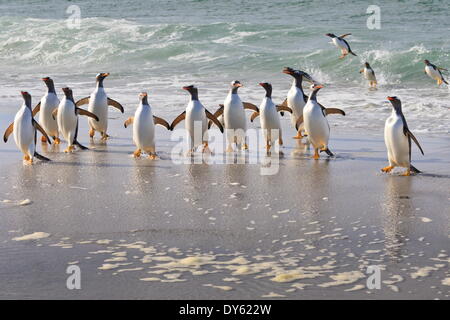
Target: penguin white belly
{"type": "Point", "coordinates": [196, 124]}
{"type": "Point", "coordinates": [316, 125]}
{"type": "Point", "coordinates": [234, 119]}
{"type": "Point", "coordinates": [296, 102]}
{"type": "Point", "coordinates": [396, 142]}
{"type": "Point", "coordinates": [369, 75]}
{"type": "Point", "coordinates": [49, 103]}
{"type": "Point", "coordinates": [98, 105]}
{"type": "Point", "coordinates": [340, 44]}
{"type": "Point", "coordinates": [24, 132]}
{"type": "Point", "coordinates": [432, 73]}
{"type": "Point", "coordinates": [144, 128]}
{"type": "Point", "coordinates": [270, 121]}
{"type": "Point", "coordinates": [67, 120]}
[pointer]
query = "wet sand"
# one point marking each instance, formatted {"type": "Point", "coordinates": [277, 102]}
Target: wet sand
{"type": "Point", "coordinates": [159, 230]}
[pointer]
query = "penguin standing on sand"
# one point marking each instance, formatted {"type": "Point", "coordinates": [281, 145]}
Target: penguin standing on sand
{"type": "Point", "coordinates": [316, 124]}
{"type": "Point", "coordinates": [49, 102]}
{"type": "Point", "coordinates": [340, 43]}
{"type": "Point", "coordinates": [397, 138]}
{"type": "Point", "coordinates": [196, 116]}
{"type": "Point", "coordinates": [369, 74]}
{"type": "Point", "coordinates": [24, 129]}
{"type": "Point", "coordinates": [233, 113]}
{"type": "Point", "coordinates": [98, 105]}
{"type": "Point", "coordinates": [144, 128]}
{"type": "Point", "coordinates": [67, 116]}
{"type": "Point", "coordinates": [434, 72]}
{"type": "Point", "coordinates": [269, 118]}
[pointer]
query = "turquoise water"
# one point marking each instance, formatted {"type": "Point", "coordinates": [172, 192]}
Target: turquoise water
{"type": "Point", "coordinates": [160, 46]}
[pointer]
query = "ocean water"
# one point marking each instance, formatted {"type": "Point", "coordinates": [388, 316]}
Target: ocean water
{"type": "Point", "coordinates": [159, 46]}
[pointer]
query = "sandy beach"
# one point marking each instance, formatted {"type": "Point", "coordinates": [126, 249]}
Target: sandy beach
{"type": "Point", "coordinates": [159, 230]}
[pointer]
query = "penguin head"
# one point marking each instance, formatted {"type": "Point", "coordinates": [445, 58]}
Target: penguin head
{"type": "Point", "coordinates": [143, 97]}
{"type": "Point", "coordinates": [315, 89]}
{"type": "Point", "coordinates": [367, 65]}
{"type": "Point", "coordinates": [289, 71]}
{"type": "Point", "coordinates": [298, 74]}
{"type": "Point", "coordinates": [268, 87]}
{"type": "Point", "coordinates": [26, 98]}
{"type": "Point", "coordinates": [427, 62]}
{"type": "Point", "coordinates": [101, 76]}
{"type": "Point", "coordinates": [47, 80]}
{"type": "Point", "coordinates": [49, 83]}
{"type": "Point", "coordinates": [192, 90]}
{"type": "Point", "coordinates": [236, 84]}
{"type": "Point", "coordinates": [396, 103]}
{"type": "Point", "coordinates": [68, 93]}
{"type": "Point", "coordinates": [331, 35]}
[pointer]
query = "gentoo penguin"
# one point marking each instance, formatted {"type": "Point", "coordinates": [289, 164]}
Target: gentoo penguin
{"type": "Point", "coordinates": [316, 124]}
{"type": "Point", "coordinates": [232, 111]}
{"type": "Point", "coordinates": [269, 118]}
{"type": "Point", "coordinates": [340, 43]}
{"type": "Point", "coordinates": [196, 117]}
{"type": "Point", "coordinates": [49, 102]}
{"type": "Point", "coordinates": [369, 74]}
{"type": "Point", "coordinates": [98, 105]}
{"type": "Point", "coordinates": [397, 138]}
{"type": "Point", "coordinates": [144, 128]}
{"type": "Point", "coordinates": [434, 72]}
{"type": "Point", "coordinates": [67, 116]}
{"type": "Point", "coordinates": [24, 129]}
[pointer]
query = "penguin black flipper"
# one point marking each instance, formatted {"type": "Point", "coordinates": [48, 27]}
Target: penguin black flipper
{"type": "Point", "coordinates": [344, 35]}
{"type": "Point", "coordinates": [414, 169]}
{"type": "Point", "coordinates": [328, 152]}
{"type": "Point", "coordinates": [36, 109]}
{"type": "Point", "coordinates": [8, 132]}
{"type": "Point", "coordinates": [217, 114]}
{"type": "Point", "coordinates": [442, 77]}
{"type": "Point", "coordinates": [284, 104]}
{"type": "Point", "coordinates": [83, 101]}
{"type": "Point", "coordinates": [284, 108]}
{"type": "Point", "coordinates": [412, 137]}
{"type": "Point", "coordinates": [178, 119]}
{"type": "Point", "coordinates": [250, 106]}
{"type": "Point", "coordinates": [115, 104]}
{"type": "Point", "coordinates": [254, 115]}
{"type": "Point", "coordinates": [37, 126]}
{"type": "Point", "coordinates": [41, 157]}
{"type": "Point", "coordinates": [334, 111]}
{"type": "Point", "coordinates": [75, 141]}
{"type": "Point", "coordinates": [161, 121]}
{"type": "Point", "coordinates": [299, 122]}
{"type": "Point", "coordinates": [86, 113]}
{"type": "Point", "coordinates": [211, 117]}
{"type": "Point", "coordinates": [349, 49]}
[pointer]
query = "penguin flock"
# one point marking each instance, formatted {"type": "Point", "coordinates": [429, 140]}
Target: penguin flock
{"type": "Point", "coordinates": [308, 117]}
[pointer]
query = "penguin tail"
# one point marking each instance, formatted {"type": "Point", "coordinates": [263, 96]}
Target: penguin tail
{"type": "Point", "coordinates": [328, 152]}
{"type": "Point", "coordinates": [445, 81]}
{"type": "Point", "coordinates": [414, 169]}
{"type": "Point", "coordinates": [80, 145]}
{"type": "Point", "coordinates": [41, 157]}
{"type": "Point", "coordinates": [351, 52]}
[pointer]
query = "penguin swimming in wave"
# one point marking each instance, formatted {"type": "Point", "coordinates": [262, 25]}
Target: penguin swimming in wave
{"type": "Point", "coordinates": [340, 43]}
{"type": "Point", "coordinates": [369, 74]}
{"type": "Point", "coordinates": [397, 138]}
{"type": "Point", "coordinates": [434, 72]}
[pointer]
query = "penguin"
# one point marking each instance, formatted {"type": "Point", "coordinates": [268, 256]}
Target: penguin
{"type": "Point", "coordinates": [296, 98]}
{"type": "Point", "coordinates": [24, 129]}
{"type": "Point", "coordinates": [233, 115]}
{"type": "Point", "coordinates": [397, 138]}
{"type": "Point", "coordinates": [144, 128]}
{"type": "Point", "coordinates": [98, 104]}
{"type": "Point", "coordinates": [434, 72]}
{"type": "Point", "coordinates": [369, 74]}
{"type": "Point", "coordinates": [67, 117]}
{"type": "Point", "coordinates": [270, 121]}
{"type": "Point", "coordinates": [340, 43]}
{"type": "Point", "coordinates": [196, 114]}
{"type": "Point", "coordinates": [316, 123]}
{"type": "Point", "coordinates": [49, 102]}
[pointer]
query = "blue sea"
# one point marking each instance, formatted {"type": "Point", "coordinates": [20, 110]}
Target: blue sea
{"type": "Point", "coordinates": [159, 46]}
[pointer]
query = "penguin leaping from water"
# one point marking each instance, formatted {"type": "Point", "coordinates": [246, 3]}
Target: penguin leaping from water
{"type": "Point", "coordinates": [397, 138]}
{"type": "Point", "coordinates": [98, 104]}
{"type": "Point", "coordinates": [144, 128]}
{"type": "Point", "coordinates": [195, 117]}
{"type": "Point", "coordinates": [434, 72]}
{"type": "Point", "coordinates": [233, 113]}
{"type": "Point", "coordinates": [340, 43]}
{"type": "Point", "coordinates": [369, 74]}
{"type": "Point", "coordinates": [49, 102]}
{"type": "Point", "coordinates": [67, 116]}
{"type": "Point", "coordinates": [25, 129]}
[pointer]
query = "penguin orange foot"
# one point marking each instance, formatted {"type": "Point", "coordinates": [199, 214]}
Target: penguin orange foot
{"type": "Point", "coordinates": [43, 139]}
{"type": "Point", "coordinates": [137, 153]}
{"type": "Point", "coordinates": [69, 149]}
{"type": "Point", "coordinates": [91, 133]}
{"type": "Point", "coordinates": [56, 140]}
{"type": "Point", "coordinates": [407, 173]}
{"type": "Point", "coordinates": [387, 169]}
{"type": "Point", "coordinates": [316, 155]}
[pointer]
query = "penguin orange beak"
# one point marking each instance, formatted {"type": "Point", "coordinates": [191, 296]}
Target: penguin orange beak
{"type": "Point", "coordinates": [318, 86]}
{"type": "Point", "coordinates": [238, 85]}
{"type": "Point", "coordinates": [262, 84]}
{"type": "Point", "coordinates": [391, 98]}
{"type": "Point", "coordinates": [105, 74]}
{"type": "Point", "coordinates": [45, 79]}
{"type": "Point", "coordinates": [23, 93]}
{"type": "Point", "coordinates": [143, 94]}
{"type": "Point", "coordinates": [185, 88]}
